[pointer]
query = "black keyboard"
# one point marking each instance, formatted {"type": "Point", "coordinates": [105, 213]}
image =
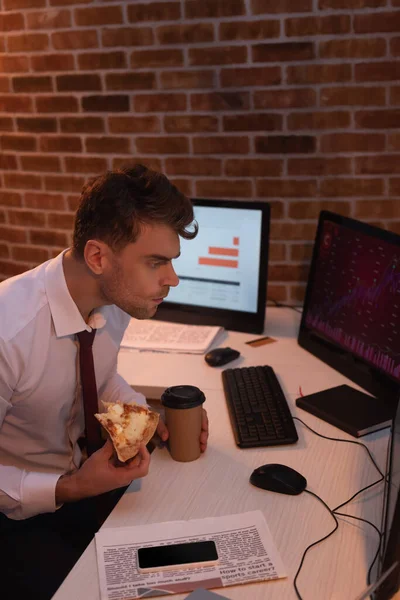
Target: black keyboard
{"type": "Point", "coordinates": [258, 408]}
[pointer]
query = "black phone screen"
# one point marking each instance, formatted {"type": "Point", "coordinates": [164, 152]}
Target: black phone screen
{"type": "Point", "coordinates": [177, 554]}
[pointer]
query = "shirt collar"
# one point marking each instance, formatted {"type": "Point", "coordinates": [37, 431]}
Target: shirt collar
{"type": "Point", "coordinates": [65, 314]}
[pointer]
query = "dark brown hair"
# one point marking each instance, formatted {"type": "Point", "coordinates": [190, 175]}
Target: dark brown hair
{"type": "Point", "coordinates": [113, 207]}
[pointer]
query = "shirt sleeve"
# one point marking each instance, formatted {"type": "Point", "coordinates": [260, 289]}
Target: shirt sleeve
{"type": "Point", "coordinates": [23, 494]}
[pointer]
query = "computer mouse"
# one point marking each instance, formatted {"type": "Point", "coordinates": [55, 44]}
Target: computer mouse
{"type": "Point", "coordinates": [278, 478]}
{"type": "Point", "coordinates": [220, 356]}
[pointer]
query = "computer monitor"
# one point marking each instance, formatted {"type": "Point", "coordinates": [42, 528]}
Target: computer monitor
{"type": "Point", "coordinates": [390, 548]}
{"type": "Point", "coordinates": [223, 271]}
{"type": "Point", "coordinates": [351, 315]}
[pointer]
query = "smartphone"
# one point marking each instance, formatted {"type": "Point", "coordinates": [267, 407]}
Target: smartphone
{"type": "Point", "coordinates": [177, 556]}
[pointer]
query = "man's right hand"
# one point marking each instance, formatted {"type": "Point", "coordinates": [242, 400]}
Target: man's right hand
{"type": "Point", "coordinates": [98, 474]}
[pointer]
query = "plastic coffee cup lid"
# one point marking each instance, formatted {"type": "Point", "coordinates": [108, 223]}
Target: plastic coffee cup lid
{"type": "Point", "coordinates": [182, 396]}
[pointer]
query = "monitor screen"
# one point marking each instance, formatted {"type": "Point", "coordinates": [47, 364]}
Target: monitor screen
{"type": "Point", "coordinates": [223, 270]}
{"type": "Point", "coordinates": [351, 316]}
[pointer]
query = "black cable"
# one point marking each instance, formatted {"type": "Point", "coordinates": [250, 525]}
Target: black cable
{"type": "Point", "coordinates": [281, 305]}
{"type": "Point", "coordinates": [314, 543]}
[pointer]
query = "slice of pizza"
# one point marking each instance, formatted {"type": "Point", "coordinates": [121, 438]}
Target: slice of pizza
{"type": "Point", "coordinates": [129, 425]}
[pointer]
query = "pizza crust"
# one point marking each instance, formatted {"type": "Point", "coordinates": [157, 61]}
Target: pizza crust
{"type": "Point", "coordinates": [129, 426]}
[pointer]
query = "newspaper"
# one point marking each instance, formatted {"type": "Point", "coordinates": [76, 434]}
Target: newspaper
{"type": "Point", "coordinates": [246, 553]}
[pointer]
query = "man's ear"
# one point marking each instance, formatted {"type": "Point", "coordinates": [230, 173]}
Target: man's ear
{"type": "Point", "coordinates": [96, 254]}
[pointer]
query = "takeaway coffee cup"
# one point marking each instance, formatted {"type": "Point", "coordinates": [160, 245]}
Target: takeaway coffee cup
{"type": "Point", "coordinates": [183, 411]}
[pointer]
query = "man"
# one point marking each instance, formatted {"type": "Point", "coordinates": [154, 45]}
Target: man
{"type": "Point", "coordinates": [126, 234]}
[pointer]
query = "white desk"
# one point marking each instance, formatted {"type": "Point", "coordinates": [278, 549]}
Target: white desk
{"type": "Point", "coordinates": [217, 483]}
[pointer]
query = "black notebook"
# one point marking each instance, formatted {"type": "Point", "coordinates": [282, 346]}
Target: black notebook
{"type": "Point", "coordinates": [348, 409]}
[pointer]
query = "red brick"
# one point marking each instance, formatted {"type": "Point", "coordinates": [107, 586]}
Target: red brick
{"type": "Point", "coordinates": [28, 42]}
{"type": "Point", "coordinates": [318, 73]}
{"type": "Point", "coordinates": [311, 210]}
{"type": "Point", "coordinates": [8, 162]}
{"type": "Point", "coordinates": [283, 6]}
{"type": "Point", "coordinates": [78, 83]}
{"type": "Point", "coordinates": [369, 23]}
{"type": "Point", "coordinates": [98, 15]}
{"type": "Point", "coordinates": [131, 81]}
{"type": "Point", "coordinates": [157, 58]}
{"type": "Point", "coordinates": [162, 145]}
{"type": "Point", "coordinates": [287, 272]}
{"type": "Point", "coordinates": [102, 60]}
{"type": "Point", "coordinates": [68, 2]}
{"type": "Point", "coordinates": [319, 120]}
{"type": "Point", "coordinates": [60, 143]}
{"type": "Point", "coordinates": [73, 202]}
{"type": "Point", "coordinates": [15, 104]}
{"type": "Point", "coordinates": [159, 102]}
{"type": "Point", "coordinates": [149, 161]}
{"type": "Point", "coordinates": [49, 104]}
{"type": "Point", "coordinates": [255, 76]}
{"type": "Point", "coordinates": [127, 36]}
{"type": "Point", "coordinates": [6, 124]}
{"type": "Point", "coordinates": [4, 85]}
{"type": "Point", "coordinates": [59, 183]}
{"type": "Point", "coordinates": [394, 141]}
{"type": "Point", "coordinates": [25, 218]}
{"type": "Point", "coordinates": [4, 251]}
{"type": "Point", "coordinates": [319, 166]}
{"type": "Point", "coordinates": [277, 293]}
{"type": "Point", "coordinates": [395, 95]}
{"type": "Point", "coordinates": [12, 234]}
{"type": "Point", "coordinates": [10, 199]}
{"type": "Point", "coordinates": [395, 46]}
{"type": "Point", "coordinates": [349, 4]}
{"type": "Point", "coordinates": [53, 62]}
{"type": "Point", "coordinates": [252, 122]}
{"type": "Point", "coordinates": [253, 167]}
{"type": "Point", "coordinates": [249, 30]}
{"type": "Point", "coordinates": [18, 142]}
{"type": "Point", "coordinates": [384, 209]}
{"type": "Point", "coordinates": [351, 187]}
{"type": "Point", "coordinates": [11, 21]}
{"type": "Point", "coordinates": [2, 216]}
{"type": "Point", "coordinates": [36, 124]}
{"type": "Point", "coordinates": [216, 101]}
{"type": "Point", "coordinates": [221, 188]}
{"type": "Point", "coordinates": [60, 221]}
{"type": "Point", "coordinates": [75, 40]}
{"type": "Point", "coordinates": [297, 294]}
{"type": "Point", "coordinates": [48, 19]}
{"type": "Point", "coordinates": [221, 55]}
{"type": "Point", "coordinates": [378, 119]}
{"type": "Point", "coordinates": [49, 238]}
{"type": "Point", "coordinates": [353, 142]}
{"type": "Point", "coordinates": [184, 185]}
{"type": "Point", "coordinates": [155, 11]}
{"type": "Point", "coordinates": [29, 253]}
{"type": "Point", "coordinates": [190, 123]}
{"type": "Point", "coordinates": [377, 71]}
{"type": "Point", "coordinates": [283, 51]}
{"type": "Point", "coordinates": [11, 269]}
{"type": "Point", "coordinates": [301, 252]}
{"type": "Point", "coordinates": [204, 9]}
{"type": "Point", "coordinates": [14, 4]}
{"type": "Point", "coordinates": [105, 103]}
{"type": "Point", "coordinates": [309, 26]}
{"type": "Point", "coordinates": [277, 252]}
{"type": "Point", "coordinates": [82, 125]}
{"type": "Point", "coordinates": [148, 124]}
{"type": "Point", "coordinates": [32, 84]}
{"type": "Point", "coordinates": [85, 164]}
{"type": "Point", "coordinates": [2, 43]}
{"type": "Point", "coordinates": [187, 79]}
{"type": "Point", "coordinates": [185, 34]}
{"type": "Point", "coordinates": [221, 145]}
{"type": "Point", "coordinates": [353, 96]}
{"type": "Point", "coordinates": [14, 64]}
{"type": "Point", "coordinates": [279, 99]}
{"type": "Point", "coordinates": [44, 201]}
{"type": "Point", "coordinates": [374, 165]}
{"type": "Point", "coordinates": [292, 231]}
{"type": "Point", "coordinates": [394, 186]}
{"type": "Point", "coordinates": [108, 144]}
{"type": "Point", "coordinates": [286, 188]}
{"type": "Point", "coordinates": [193, 166]}
{"type": "Point", "coordinates": [353, 48]}
{"type": "Point", "coordinates": [285, 144]}
{"type": "Point", "coordinates": [36, 162]}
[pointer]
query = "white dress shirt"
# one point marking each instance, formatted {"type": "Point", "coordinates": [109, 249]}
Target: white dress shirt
{"type": "Point", "coordinates": [41, 410]}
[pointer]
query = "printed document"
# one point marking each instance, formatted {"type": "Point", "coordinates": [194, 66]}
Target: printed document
{"type": "Point", "coordinates": [245, 547]}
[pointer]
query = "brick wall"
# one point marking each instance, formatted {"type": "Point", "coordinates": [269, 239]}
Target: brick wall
{"type": "Point", "coordinates": [292, 101]}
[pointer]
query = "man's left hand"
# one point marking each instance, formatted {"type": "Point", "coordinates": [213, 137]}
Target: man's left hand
{"type": "Point", "coordinates": [163, 431]}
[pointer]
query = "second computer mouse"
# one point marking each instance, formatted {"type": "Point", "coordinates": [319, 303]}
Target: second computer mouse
{"type": "Point", "coordinates": [278, 478]}
{"type": "Point", "coordinates": [221, 356]}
